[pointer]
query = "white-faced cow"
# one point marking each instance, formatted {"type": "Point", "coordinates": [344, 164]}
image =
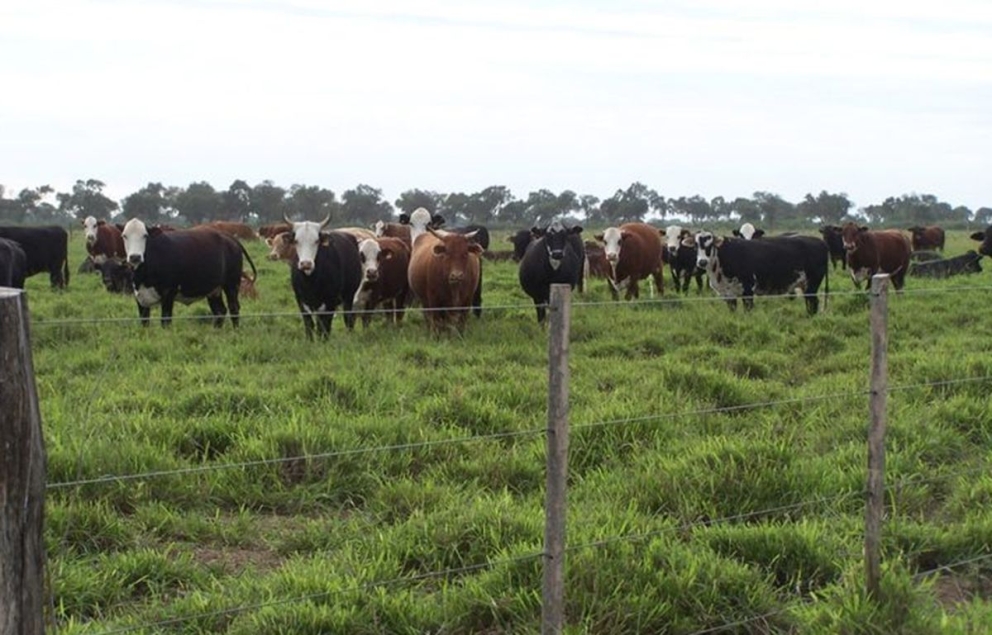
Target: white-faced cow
{"type": "Point", "coordinates": [385, 264]}
{"type": "Point", "coordinates": [13, 264]}
{"type": "Point", "coordinates": [103, 240]}
{"type": "Point", "coordinates": [680, 254]}
{"type": "Point", "coordinates": [740, 268]}
{"type": "Point", "coordinates": [325, 273]}
{"type": "Point", "coordinates": [185, 265]}
{"type": "Point", "coordinates": [634, 253]}
{"type": "Point", "coordinates": [556, 256]}
{"type": "Point", "coordinates": [444, 275]}
{"type": "Point", "coordinates": [880, 251]}
{"type": "Point", "coordinates": [46, 249]}
{"type": "Point", "coordinates": [748, 232]}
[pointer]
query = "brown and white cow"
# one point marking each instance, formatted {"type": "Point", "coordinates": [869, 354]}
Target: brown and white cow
{"type": "Point", "coordinates": [929, 237]}
{"type": "Point", "coordinates": [103, 240]}
{"type": "Point", "coordinates": [634, 252]}
{"type": "Point", "coordinates": [393, 230]}
{"type": "Point", "coordinates": [444, 274]}
{"type": "Point", "coordinates": [880, 251]}
{"type": "Point", "coordinates": [385, 264]}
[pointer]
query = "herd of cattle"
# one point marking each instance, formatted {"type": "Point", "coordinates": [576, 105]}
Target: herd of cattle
{"type": "Point", "coordinates": [418, 261]}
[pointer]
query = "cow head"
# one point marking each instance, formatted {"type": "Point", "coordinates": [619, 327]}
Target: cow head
{"type": "Point", "coordinates": [706, 249]}
{"type": "Point", "coordinates": [612, 239]}
{"type": "Point", "coordinates": [456, 250]}
{"type": "Point", "coordinates": [747, 232]}
{"type": "Point", "coordinates": [555, 240]}
{"type": "Point", "coordinates": [420, 220]}
{"type": "Point", "coordinates": [135, 236]}
{"type": "Point", "coordinates": [89, 229]}
{"type": "Point", "coordinates": [371, 253]}
{"type": "Point", "coordinates": [851, 235]}
{"type": "Point", "coordinates": [281, 246]}
{"type": "Point", "coordinates": [307, 237]}
{"type": "Point", "coordinates": [984, 237]}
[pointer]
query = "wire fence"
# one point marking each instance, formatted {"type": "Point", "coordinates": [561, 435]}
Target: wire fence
{"type": "Point", "coordinates": [915, 480]}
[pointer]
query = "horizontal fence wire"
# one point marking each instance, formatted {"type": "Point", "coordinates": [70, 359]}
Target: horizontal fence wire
{"type": "Point", "coordinates": [111, 478]}
{"type": "Point", "coordinates": [521, 306]}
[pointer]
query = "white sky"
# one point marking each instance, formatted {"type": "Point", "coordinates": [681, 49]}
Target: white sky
{"type": "Point", "coordinates": [709, 97]}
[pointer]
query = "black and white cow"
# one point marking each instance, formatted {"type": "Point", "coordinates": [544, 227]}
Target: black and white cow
{"type": "Point", "coordinates": [680, 254]}
{"type": "Point", "coordinates": [325, 273]}
{"type": "Point", "coordinates": [968, 262]}
{"type": "Point", "coordinates": [556, 256]}
{"type": "Point", "coordinates": [46, 249]}
{"type": "Point", "coordinates": [184, 265]}
{"type": "Point", "coordinates": [13, 264]}
{"type": "Point", "coordinates": [770, 266]}
{"type": "Point", "coordinates": [748, 232]}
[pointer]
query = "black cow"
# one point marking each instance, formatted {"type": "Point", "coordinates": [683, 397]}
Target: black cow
{"type": "Point", "coordinates": [117, 275]}
{"type": "Point", "coordinates": [46, 249]}
{"type": "Point", "coordinates": [184, 265]}
{"type": "Point", "coordinates": [556, 256]}
{"type": "Point", "coordinates": [985, 238]}
{"type": "Point", "coordinates": [325, 273]}
{"type": "Point", "coordinates": [13, 264]}
{"type": "Point", "coordinates": [682, 262]}
{"type": "Point", "coordinates": [777, 265]}
{"type": "Point", "coordinates": [833, 236]}
{"type": "Point", "coordinates": [968, 262]}
{"type": "Point", "coordinates": [521, 240]}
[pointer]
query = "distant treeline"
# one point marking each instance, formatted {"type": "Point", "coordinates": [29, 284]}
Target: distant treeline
{"type": "Point", "coordinates": [495, 206]}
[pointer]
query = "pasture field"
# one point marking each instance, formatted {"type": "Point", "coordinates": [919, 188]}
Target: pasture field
{"type": "Point", "coordinates": [386, 481]}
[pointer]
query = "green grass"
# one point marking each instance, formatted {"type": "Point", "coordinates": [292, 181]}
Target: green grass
{"type": "Point", "coordinates": [391, 481]}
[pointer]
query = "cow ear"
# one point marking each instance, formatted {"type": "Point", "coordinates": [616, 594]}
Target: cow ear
{"type": "Point", "coordinates": [863, 228]}
{"type": "Point", "coordinates": [101, 222]}
{"type": "Point", "coordinates": [404, 219]}
{"type": "Point", "coordinates": [737, 232]}
{"type": "Point", "coordinates": [624, 235]}
{"type": "Point", "coordinates": [475, 248]}
{"type": "Point", "coordinates": [758, 233]}
{"type": "Point", "coordinates": [385, 253]}
{"type": "Point", "coordinates": [599, 237]}
{"type": "Point", "coordinates": [437, 220]}
{"type": "Point", "coordinates": [576, 230]}
{"type": "Point", "coordinates": [325, 239]}
{"type": "Point", "coordinates": [287, 237]}
{"type": "Point", "coordinates": [119, 227]}
{"type": "Point", "coordinates": [155, 231]}
{"type": "Point", "coordinates": [718, 241]}
{"type": "Point", "coordinates": [536, 231]}
{"type": "Point", "coordinates": [439, 249]}
{"type": "Point", "coordinates": [978, 236]}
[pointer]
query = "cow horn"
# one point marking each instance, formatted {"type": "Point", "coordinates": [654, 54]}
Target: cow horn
{"type": "Point", "coordinates": [286, 218]}
{"type": "Point", "coordinates": [324, 222]}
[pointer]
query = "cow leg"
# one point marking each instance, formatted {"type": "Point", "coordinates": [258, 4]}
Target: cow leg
{"type": "Point", "coordinates": [145, 314]}
{"type": "Point", "coordinates": [324, 319]}
{"type": "Point", "coordinates": [218, 309]}
{"type": "Point", "coordinates": [168, 301]}
{"type": "Point", "coordinates": [233, 305]}
{"type": "Point", "coordinates": [748, 296]}
{"type": "Point", "coordinates": [676, 281]}
{"type": "Point", "coordinates": [659, 281]}
{"type": "Point", "coordinates": [633, 290]}
{"type": "Point", "coordinates": [614, 291]}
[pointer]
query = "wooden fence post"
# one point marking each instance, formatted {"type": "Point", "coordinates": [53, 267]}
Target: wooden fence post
{"type": "Point", "coordinates": [22, 476]}
{"type": "Point", "coordinates": [876, 433]}
{"type": "Point", "coordinates": [553, 593]}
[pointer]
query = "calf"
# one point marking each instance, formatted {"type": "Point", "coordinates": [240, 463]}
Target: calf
{"type": "Point", "coordinates": [596, 265]}
{"type": "Point", "coordinates": [556, 256]}
{"type": "Point", "coordinates": [185, 265]}
{"type": "Point", "coordinates": [770, 266]}
{"type": "Point", "coordinates": [46, 249]}
{"type": "Point", "coordinates": [833, 236]}
{"type": "Point", "coordinates": [968, 262]}
{"type": "Point", "coordinates": [13, 264]}
{"type": "Point", "coordinates": [116, 275]}
{"type": "Point", "coordinates": [681, 259]}
{"type": "Point", "coordinates": [385, 263]}
{"type": "Point", "coordinates": [444, 274]}
{"type": "Point", "coordinates": [325, 273]}
{"type": "Point", "coordinates": [929, 237]}
{"type": "Point", "coordinates": [871, 252]}
{"type": "Point", "coordinates": [634, 252]}
{"type": "Point", "coordinates": [103, 240]}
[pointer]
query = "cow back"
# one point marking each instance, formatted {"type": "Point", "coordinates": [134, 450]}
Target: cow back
{"type": "Point", "coordinates": [881, 251]}
{"type": "Point", "coordinates": [45, 249]}
{"type": "Point", "coordinates": [196, 262]}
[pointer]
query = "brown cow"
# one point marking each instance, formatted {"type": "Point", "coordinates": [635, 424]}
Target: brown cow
{"type": "Point", "coordinates": [385, 264]}
{"type": "Point", "coordinates": [281, 247]}
{"type": "Point", "coordinates": [393, 230]}
{"type": "Point", "coordinates": [596, 263]}
{"type": "Point", "coordinates": [634, 252]}
{"type": "Point", "coordinates": [870, 252]}
{"type": "Point", "coordinates": [929, 237]}
{"type": "Point", "coordinates": [444, 274]}
{"type": "Point", "coordinates": [103, 240]}
{"type": "Point", "coordinates": [273, 229]}
{"type": "Point", "coordinates": [234, 229]}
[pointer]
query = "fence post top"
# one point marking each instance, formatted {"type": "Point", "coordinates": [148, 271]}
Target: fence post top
{"type": "Point", "coordinates": [10, 292]}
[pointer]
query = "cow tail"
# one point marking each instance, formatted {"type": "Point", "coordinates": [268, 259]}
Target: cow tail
{"type": "Point", "coordinates": [248, 284]}
{"type": "Point", "coordinates": [65, 271]}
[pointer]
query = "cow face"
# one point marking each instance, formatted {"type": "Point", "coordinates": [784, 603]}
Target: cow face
{"type": "Point", "coordinates": [371, 253]}
{"type": "Point", "coordinates": [307, 237]}
{"type": "Point", "coordinates": [555, 240]}
{"type": "Point", "coordinates": [985, 238]}
{"type": "Point", "coordinates": [850, 235]}
{"type": "Point", "coordinates": [706, 249]}
{"type": "Point", "coordinates": [456, 249]}
{"type": "Point", "coordinates": [612, 240]}
{"type": "Point", "coordinates": [89, 230]}
{"type": "Point", "coordinates": [280, 247]}
{"type": "Point", "coordinates": [673, 234]}
{"type": "Point", "coordinates": [135, 236]}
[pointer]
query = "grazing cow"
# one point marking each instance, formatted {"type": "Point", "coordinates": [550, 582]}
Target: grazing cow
{"type": "Point", "coordinates": [779, 265]}
{"type": "Point", "coordinates": [385, 264]}
{"type": "Point", "coordinates": [929, 237]}
{"type": "Point", "coordinates": [681, 258]}
{"type": "Point", "coordinates": [871, 252]}
{"type": "Point", "coordinates": [444, 274]}
{"type": "Point", "coordinates": [384, 229]}
{"type": "Point", "coordinates": [556, 256]}
{"type": "Point", "coordinates": [748, 232]}
{"type": "Point", "coordinates": [273, 229]}
{"type": "Point", "coordinates": [833, 236]}
{"type": "Point", "coordinates": [634, 252]}
{"type": "Point", "coordinates": [117, 276]}
{"type": "Point", "coordinates": [46, 249]}
{"type": "Point", "coordinates": [13, 264]}
{"type": "Point", "coordinates": [325, 273]}
{"type": "Point", "coordinates": [185, 265]}
{"type": "Point", "coordinates": [241, 231]}
{"type": "Point", "coordinates": [968, 262]}
{"type": "Point", "coordinates": [596, 265]}
{"type": "Point", "coordinates": [985, 238]}
{"type": "Point", "coordinates": [103, 240]}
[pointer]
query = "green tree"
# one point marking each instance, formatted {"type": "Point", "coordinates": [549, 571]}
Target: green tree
{"type": "Point", "coordinates": [236, 202]}
{"type": "Point", "coordinates": [825, 208]}
{"type": "Point", "coordinates": [311, 202]}
{"type": "Point", "coordinates": [87, 199]}
{"type": "Point", "coordinates": [630, 205]}
{"type": "Point", "coordinates": [411, 200]}
{"type": "Point", "coordinates": [198, 203]}
{"type": "Point", "coordinates": [774, 209]}
{"type": "Point", "coordinates": [983, 216]}
{"type": "Point", "coordinates": [153, 204]}
{"type": "Point", "coordinates": [364, 205]}
{"type": "Point", "coordinates": [269, 202]}
{"type": "Point", "coordinates": [696, 208]}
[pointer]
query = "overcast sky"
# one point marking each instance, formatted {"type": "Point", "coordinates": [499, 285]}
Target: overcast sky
{"type": "Point", "coordinates": [709, 97]}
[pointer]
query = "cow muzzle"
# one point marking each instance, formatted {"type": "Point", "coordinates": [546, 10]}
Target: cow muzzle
{"type": "Point", "coordinates": [91, 240]}
{"type": "Point", "coordinates": [702, 262]}
{"type": "Point", "coordinates": [135, 259]}
{"type": "Point", "coordinates": [455, 277]}
{"type": "Point", "coordinates": [306, 266]}
{"type": "Point", "coordinates": [371, 275]}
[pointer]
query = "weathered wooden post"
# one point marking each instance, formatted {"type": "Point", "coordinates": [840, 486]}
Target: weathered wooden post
{"type": "Point", "coordinates": [22, 476]}
{"type": "Point", "coordinates": [553, 594]}
{"type": "Point", "coordinates": [876, 433]}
